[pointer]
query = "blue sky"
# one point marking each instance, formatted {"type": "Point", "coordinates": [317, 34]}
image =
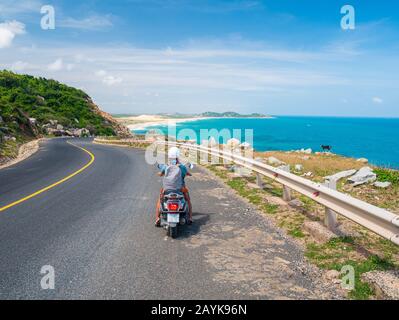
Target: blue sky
{"type": "Point", "coordinates": [287, 57]}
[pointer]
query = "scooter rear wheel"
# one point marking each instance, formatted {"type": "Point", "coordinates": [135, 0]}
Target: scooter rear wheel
{"type": "Point", "coordinates": [172, 232]}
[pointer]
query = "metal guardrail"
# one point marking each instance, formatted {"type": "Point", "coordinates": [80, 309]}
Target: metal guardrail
{"type": "Point", "coordinates": [378, 220]}
{"type": "Point", "coordinates": [122, 142]}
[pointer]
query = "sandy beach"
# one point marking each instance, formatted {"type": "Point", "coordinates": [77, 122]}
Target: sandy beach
{"type": "Point", "coordinates": [144, 121]}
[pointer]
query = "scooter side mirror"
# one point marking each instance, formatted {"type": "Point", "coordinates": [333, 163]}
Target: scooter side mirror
{"type": "Point", "coordinates": [191, 166]}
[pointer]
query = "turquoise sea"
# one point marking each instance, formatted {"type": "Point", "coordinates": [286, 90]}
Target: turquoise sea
{"type": "Point", "coordinates": [376, 139]}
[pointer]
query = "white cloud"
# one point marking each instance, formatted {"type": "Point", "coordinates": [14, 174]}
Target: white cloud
{"type": "Point", "coordinates": [93, 22]}
{"type": "Point", "coordinates": [8, 31]}
{"type": "Point", "coordinates": [111, 80]}
{"type": "Point", "coordinates": [57, 65]}
{"type": "Point", "coordinates": [101, 73]}
{"type": "Point", "coordinates": [19, 66]}
{"type": "Point", "coordinates": [195, 76]}
{"type": "Point", "coordinates": [12, 7]}
{"type": "Point", "coordinates": [185, 69]}
{"type": "Point", "coordinates": [378, 100]}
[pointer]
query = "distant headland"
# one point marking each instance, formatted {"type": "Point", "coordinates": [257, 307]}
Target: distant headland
{"type": "Point", "coordinates": [140, 122]}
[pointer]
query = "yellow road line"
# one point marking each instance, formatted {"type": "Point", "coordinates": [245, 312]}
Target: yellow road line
{"type": "Point", "coordinates": [54, 184]}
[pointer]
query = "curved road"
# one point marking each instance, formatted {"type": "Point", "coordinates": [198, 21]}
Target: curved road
{"type": "Point", "coordinates": [96, 230]}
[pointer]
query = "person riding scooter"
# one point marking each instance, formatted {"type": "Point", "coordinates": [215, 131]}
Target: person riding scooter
{"type": "Point", "coordinates": [174, 174]}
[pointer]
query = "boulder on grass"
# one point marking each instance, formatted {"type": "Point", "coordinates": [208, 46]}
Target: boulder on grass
{"type": "Point", "coordinates": [274, 161]}
{"type": "Point", "coordinates": [382, 185]}
{"type": "Point", "coordinates": [298, 167]}
{"type": "Point", "coordinates": [363, 160]}
{"type": "Point", "coordinates": [364, 175]}
{"type": "Point", "coordinates": [341, 175]}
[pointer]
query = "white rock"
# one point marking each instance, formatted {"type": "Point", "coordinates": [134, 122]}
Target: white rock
{"type": "Point", "coordinates": [284, 167]}
{"type": "Point", "coordinates": [212, 142]}
{"type": "Point", "coordinates": [363, 160]}
{"type": "Point", "coordinates": [364, 175]}
{"type": "Point", "coordinates": [245, 145]}
{"type": "Point", "coordinates": [383, 185]}
{"type": "Point", "coordinates": [298, 167]}
{"type": "Point", "coordinates": [10, 138]}
{"type": "Point", "coordinates": [80, 132]}
{"type": "Point", "coordinates": [341, 175]}
{"type": "Point", "coordinates": [296, 203]}
{"type": "Point", "coordinates": [233, 143]}
{"type": "Point", "coordinates": [307, 151]}
{"type": "Point", "coordinates": [274, 161]}
{"type": "Point", "coordinates": [308, 174]}
{"type": "Point", "coordinates": [60, 127]}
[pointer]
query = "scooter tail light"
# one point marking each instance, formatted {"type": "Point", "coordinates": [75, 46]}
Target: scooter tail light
{"type": "Point", "coordinates": [173, 206]}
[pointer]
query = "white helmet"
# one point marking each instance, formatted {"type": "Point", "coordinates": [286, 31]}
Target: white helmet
{"type": "Point", "coordinates": [173, 153]}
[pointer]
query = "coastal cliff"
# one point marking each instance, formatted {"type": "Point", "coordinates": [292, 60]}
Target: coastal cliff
{"type": "Point", "coordinates": [32, 107]}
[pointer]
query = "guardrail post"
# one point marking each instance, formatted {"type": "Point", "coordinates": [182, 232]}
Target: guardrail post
{"type": "Point", "coordinates": [286, 191]}
{"type": "Point", "coordinates": [259, 181]}
{"type": "Point", "coordinates": [330, 217]}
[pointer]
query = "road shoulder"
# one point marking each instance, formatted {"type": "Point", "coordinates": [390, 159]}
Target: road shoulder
{"type": "Point", "coordinates": [25, 151]}
{"type": "Point", "coordinates": [245, 249]}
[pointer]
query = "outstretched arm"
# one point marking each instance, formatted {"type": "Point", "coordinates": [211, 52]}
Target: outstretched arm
{"type": "Point", "coordinates": [162, 168]}
{"type": "Point", "coordinates": [185, 170]}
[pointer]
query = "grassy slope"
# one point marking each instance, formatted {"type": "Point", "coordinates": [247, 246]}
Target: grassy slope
{"type": "Point", "coordinates": [23, 96]}
{"type": "Point", "coordinates": [363, 250]}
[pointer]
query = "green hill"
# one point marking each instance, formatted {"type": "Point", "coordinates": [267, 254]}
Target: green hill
{"type": "Point", "coordinates": [28, 105]}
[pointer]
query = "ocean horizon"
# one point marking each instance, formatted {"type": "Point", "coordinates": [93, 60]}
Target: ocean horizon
{"type": "Point", "coordinates": [376, 139]}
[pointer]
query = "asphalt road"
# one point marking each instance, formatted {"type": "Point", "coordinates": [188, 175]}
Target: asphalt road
{"type": "Point", "coordinates": [96, 230]}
